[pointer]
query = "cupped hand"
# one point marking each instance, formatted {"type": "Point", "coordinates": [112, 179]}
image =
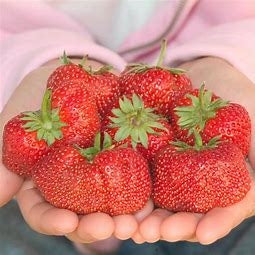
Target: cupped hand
{"type": "Point", "coordinates": [39, 214]}
{"type": "Point", "coordinates": [226, 81]}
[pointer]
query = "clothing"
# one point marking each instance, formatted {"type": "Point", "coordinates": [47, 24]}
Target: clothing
{"type": "Point", "coordinates": [16, 238]}
{"type": "Point", "coordinates": [34, 32]}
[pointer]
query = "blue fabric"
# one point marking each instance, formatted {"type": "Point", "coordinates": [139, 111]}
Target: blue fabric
{"type": "Point", "coordinates": [16, 238]}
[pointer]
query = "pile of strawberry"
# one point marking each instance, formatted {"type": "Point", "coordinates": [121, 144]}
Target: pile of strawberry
{"type": "Point", "coordinates": [103, 143]}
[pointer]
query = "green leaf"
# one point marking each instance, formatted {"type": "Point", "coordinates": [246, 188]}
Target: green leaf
{"type": "Point", "coordinates": [128, 104]}
{"type": "Point", "coordinates": [97, 142]}
{"type": "Point", "coordinates": [117, 120]}
{"type": "Point", "coordinates": [50, 139]}
{"type": "Point", "coordinates": [107, 140]}
{"type": "Point", "coordinates": [122, 133]}
{"type": "Point", "coordinates": [134, 144]}
{"type": "Point", "coordinates": [137, 102]}
{"type": "Point", "coordinates": [117, 112]}
{"type": "Point", "coordinates": [143, 137]}
{"type": "Point", "coordinates": [135, 135]}
{"type": "Point", "coordinates": [40, 133]}
{"type": "Point", "coordinates": [57, 134]}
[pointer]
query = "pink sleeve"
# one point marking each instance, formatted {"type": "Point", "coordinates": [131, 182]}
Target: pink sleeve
{"type": "Point", "coordinates": [233, 42]}
{"type": "Point", "coordinates": [32, 34]}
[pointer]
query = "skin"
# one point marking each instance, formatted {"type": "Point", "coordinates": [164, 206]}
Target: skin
{"type": "Point", "coordinates": [148, 225]}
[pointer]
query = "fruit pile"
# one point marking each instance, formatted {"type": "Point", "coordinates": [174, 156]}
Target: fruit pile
{"type": "Point", "coordinates": [107, 143]}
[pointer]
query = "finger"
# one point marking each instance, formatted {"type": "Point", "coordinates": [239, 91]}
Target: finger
{"type": "Point", "coordinates": [137, 238]}
{"type": "Point", "coordinates": [43, 217]}
{"type": "Point", "coordinates": [99, 226]}
{"type": "Point", "coordinates": [74, 237]}
{"type": "Point", "coordinates": [125, 226]}
{"type": "Point", "coordinates": [179, 226]}
{"type": "Point", "coordinates": [10, 184]}
{"type": "Point", "coordinates": [150, 226]}
{"type": "Point", "coordinates": [148, 208]}
{"type": "Point", "coordinates": [229, 217]}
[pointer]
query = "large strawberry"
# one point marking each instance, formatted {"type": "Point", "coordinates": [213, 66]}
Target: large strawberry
{"type": "Point", "coordinates": [159, 86]}
{"type": "Point", "coordinates": [69, 115]}
{"type": "Point", "coordinates": [205, 112]}
{"type": "Point", "coordinates": [134, 124]}
{"type": "Point", "coordinates": [114, 181]}
{"type": "Point", "coordinates": [102, 82]}
{"type": "Point", "coordinates": [197, 179]}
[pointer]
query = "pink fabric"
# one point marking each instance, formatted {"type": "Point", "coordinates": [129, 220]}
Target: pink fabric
{"type": "Point", "coordinates": [32, 33]}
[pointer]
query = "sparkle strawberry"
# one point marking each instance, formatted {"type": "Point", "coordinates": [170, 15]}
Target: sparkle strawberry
{"type": "Point", "coordinates": [159, 86]}
{"type": "Point", "coordinates": [69, 115]}
{"type": "Point", "coordinates": [136, 125]}
{"type": "Point", "coordinates": [102, 82]}
{"type": "Point", "coordinates": [197, 179]}
{"type": "Point", "coordinates": [110, 180]}
{"type": "Point", "coordinates": [204, 111]}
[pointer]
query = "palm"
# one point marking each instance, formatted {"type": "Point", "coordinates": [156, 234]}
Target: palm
{"type": "Point", "coordinates": [228, 83]}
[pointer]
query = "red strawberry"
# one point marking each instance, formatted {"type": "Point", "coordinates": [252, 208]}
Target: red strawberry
{"type": "Point", "coordinates": [67, 71]}
{"type": "Point", "coordinates": [113, 181]}
{"type": "Point", "coordinates": [159, 86]}
{"type": "Point", "coordinates": [21, 149]}
{"type": "Point", "coordinates": [77, 107]}
{"type": "Point", "coordinates": [72, 118]}
{"type": "Point", "coordinates": [213, 116]}
{"type": "Point", "coordinates": [196, 181]}
{"type": "Point", "coordinates": [133, 124]}
{"type": "Point", "coordinates": [102, 82]}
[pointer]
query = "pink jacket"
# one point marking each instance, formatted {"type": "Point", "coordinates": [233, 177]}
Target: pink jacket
{"type": "Point", "coordinates": [32, 34]}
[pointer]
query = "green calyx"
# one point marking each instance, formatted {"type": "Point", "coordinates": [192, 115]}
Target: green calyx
{"type": "Point", "coordinates": [104, 69]}
{"type": "Point", "coordinates": [45, 122]}
{"type": "Point", "coordinates": [135, 121]}
{"type": "Point", "coordinates": [91, 152]}
{"type": "Point", "coordinates": [198, 145]}
{"type": "Point", "coordinates": [64, 59]}
{"type": "Point", "coordinates": [140, 67]}
{"type": "Point", "coordinates": [203, 108]}
{"type": "Point", "coordinates": [194, 118]}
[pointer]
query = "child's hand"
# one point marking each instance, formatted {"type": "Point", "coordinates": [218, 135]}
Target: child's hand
{"type": "Point", "coordinates": [39, 214]}
{"type": "Point", "coordinates": [230, 84]}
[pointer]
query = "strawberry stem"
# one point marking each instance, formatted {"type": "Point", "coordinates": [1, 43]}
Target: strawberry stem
{"type": "Point", "coordinates": [162, 53]}
{"type": "Point", "coordinates": [46, 108]}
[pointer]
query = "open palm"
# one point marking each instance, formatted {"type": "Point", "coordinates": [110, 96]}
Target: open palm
{"type": "Point", "coordinates": [232, 85]}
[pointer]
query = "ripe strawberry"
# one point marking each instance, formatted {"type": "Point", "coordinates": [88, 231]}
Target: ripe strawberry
{"type": "Point", "coordinates": [67, 71]}
{"type": "Point", "coordinates": [113, 181]}
{"type": "Point", "coordinates": [102, 82]}
{"type": "Point", "coordinates": [213, 116]}
{"type": "Point", "coordinates": [78, 109]}
{"type": "Point", "coordinates": [199, 179]}
{"type": "Point", "coordinates": [69, 115]}
{"type": "Point", "coordinates": [159, 86]}
{"type": "Point", "coordinates": [133, 124]}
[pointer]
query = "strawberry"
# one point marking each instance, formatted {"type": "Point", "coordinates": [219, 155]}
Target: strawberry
{"type": "Point", "coordinates": [201, 110]}
{"type": "Point", "coordinates": [67, 71]}
{"type": "Point", "coordinates": [102, 82]}
{"type": "Point", "coordinates": [77, 108]}
{"type": "Point", "coordinates": [110, 180]}
{"type": "Point", "coordinates": [133, 124]}
{"type": "Point", "coordinates": [159, 86]}
{"type": "Point", "coordinates": [68, 115]}
{"type": "Point", "coordinates": [197, 179]}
